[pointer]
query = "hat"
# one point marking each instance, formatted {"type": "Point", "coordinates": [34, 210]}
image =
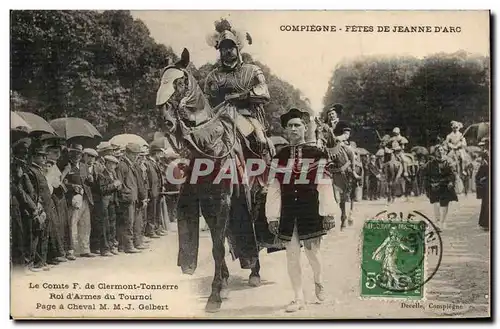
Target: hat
{"type": "Point", "coordinates": [111, 158]}
{"type": "Point", "coordinates": [396, 130]}
{"type": "Point", "coordinates": [22, 143]}
{"type": "Point", "coordinates": [456, 124]}
{"type": "Point", "coordinates": [38, 149]}
{"type": "Point", "coordinates": [155, 148]}
{"type": "Point", "coordinates": [133, 148]}
{"type": "Point", "coordinates": [91, 152]}
{"type": "Point", "coordinates": [104, 147]}
{"type": "Point", "coordinates": [144, 150]}
{"type": "Point", "coordinates": [292, 114]}
{"type": "Point", "coordinates": [337, 107]}
{"type": "Point", "coordinates": [75, 148]}
{"type": "Point", "coordinates": [484, 141]}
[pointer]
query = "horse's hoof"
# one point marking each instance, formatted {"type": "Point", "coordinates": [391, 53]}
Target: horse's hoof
{"type": "Point", "coordinates": [224, 292]}
{"type": "Point", "coordinates": [212, 307]}
{"type": "Point", "coordinates": [188, 271]}
{"type": "Point", "coordinates": [254, 281]}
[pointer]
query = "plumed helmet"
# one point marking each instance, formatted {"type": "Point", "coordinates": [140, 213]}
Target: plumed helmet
{"type": "Point", "coordinates": [224, 32]}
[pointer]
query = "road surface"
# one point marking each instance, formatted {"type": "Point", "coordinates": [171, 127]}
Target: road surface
{"type": "Point", "coordinates": [462, 279]}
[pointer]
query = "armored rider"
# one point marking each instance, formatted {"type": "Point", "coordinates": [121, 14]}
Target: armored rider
{"type": "Point", "coordinates": [241, 84]}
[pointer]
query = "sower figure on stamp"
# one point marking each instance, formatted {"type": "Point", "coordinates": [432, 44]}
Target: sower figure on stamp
{"type": "Point", "coordinates": [297, 209]}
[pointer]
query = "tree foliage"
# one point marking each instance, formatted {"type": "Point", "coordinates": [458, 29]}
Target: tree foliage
{"type": "Point", "coordinates": [103, 67]}
{"type": "Point", "coordinates": [420, 96]}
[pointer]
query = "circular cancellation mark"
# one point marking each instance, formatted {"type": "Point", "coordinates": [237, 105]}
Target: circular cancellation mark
{"type": "Point", "coordinates": [400, 254]}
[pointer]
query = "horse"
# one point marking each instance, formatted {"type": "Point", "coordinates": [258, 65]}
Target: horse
{"type": "Point", "coordinates": [208, 135]}
{"type": "Point", "coordinates": [392, 171]}
{"type": "Point", "coordinates": [463, 171]}
{"type": "Point", "coordinates": [344, 179]}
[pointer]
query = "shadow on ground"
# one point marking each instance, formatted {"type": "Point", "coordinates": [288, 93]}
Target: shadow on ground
{"type": "Point", "coordinates": [203, 285]}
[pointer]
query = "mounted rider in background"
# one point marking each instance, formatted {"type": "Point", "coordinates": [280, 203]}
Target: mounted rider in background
{"type": "Point", "coordinates": [332, 132]}
{"type": "Point", "coordinates": [455, 143]}
{"type": "Point", "coordinates": [398, 143]}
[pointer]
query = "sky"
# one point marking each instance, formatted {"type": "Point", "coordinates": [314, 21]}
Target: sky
{"type": "Point", "coordinates": [307, 59]}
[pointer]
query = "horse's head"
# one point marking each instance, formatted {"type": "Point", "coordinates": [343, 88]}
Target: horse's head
{"type": "Point", "coordinates": [179, 98]}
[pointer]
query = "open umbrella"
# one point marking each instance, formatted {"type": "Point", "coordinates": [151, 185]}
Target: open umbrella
{"type": "Point", "coordinates": [419, 150]}
{"type": "Point", "coordinates": [17, 122]}
{"type": "Point", "coordinates": [124, 139]}
{"type": "Point", "coordinates": [37, 123]}
{"type": "Point", "coordinates": [362, 151]}
{"type": "Point", "coordinates": [74, 127]}
{"type": "Point", "coordinates": [476, 131]}
{"type": "Point", "coordinates": [473, 149]}
{"type": "Point", "coordinates": [161, 143]}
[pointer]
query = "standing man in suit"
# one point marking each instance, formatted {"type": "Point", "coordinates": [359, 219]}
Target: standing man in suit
{"type": "Point", "coordinates": [128, 197]}
{"type": "Point", "coordinates": [79, 180]}
{"type": "Point", "coordinates": [43, 227]}
{"type": "Point", "coordinates": [141, 206]}
{"type": "Point", "coordinates": [153, 226]}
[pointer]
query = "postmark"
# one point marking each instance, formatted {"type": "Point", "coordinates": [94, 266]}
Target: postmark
{"type": "Point", "coordinates": [401, 253]}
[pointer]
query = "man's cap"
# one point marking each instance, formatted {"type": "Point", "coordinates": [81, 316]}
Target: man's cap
{"type": "Point", "coordinates": [105, 147]}
{"type": "Point", "coordinates": [22, 143]}
{"type": "Point", "coordinates": [337, 107]}
{"type": "Point", "coordinates": [484, 141]}
{"type": "Point", "coordinates": [91, 152]}
{"type": "Point", "coordinates": [111, 158]}
{"type": "Point", "coordinates": [75, 148]}
{"type": "Point", "coordinates": [155, 148]}
{"type": "Point", "coordinates": [292, 114]}
{"type": "Point", "coordinates": [38, 149]}
{"type": "Point", "coordinates": [396, 130]}
{"type": "Point", "coordinates": [133, 148]}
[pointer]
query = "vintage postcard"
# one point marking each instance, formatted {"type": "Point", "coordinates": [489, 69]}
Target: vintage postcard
{"type": "Point", "coordinates": [250, 164]}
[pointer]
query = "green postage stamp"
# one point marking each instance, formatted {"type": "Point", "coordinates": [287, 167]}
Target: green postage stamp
{"type": "Point", "coordinates": [393, 259]}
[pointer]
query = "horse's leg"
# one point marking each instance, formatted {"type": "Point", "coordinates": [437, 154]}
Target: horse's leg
{"type": "Point", "coordinates": [254, 279]}
{"type": "Point", "coordinates": [217, 218]}
{"type": "Point", "coordinates": [342, 212]}
{"type": "Point", "coordinates": [351, 202]}
{"type": "Point", "coordinates": [188, 213]}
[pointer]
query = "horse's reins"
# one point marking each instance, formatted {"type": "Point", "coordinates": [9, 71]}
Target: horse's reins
{"type": "Point", "coordinates": [186, 132]}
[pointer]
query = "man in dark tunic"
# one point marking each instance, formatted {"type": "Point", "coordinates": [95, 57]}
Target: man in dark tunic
{"type": "Point", "coordinates": [298, 210]}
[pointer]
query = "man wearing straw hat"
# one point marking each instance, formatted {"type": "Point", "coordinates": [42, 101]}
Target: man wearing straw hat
{"type": "Point", "coordinates": [109, 185]}
{"type": "Point", "coordinates": [128, 198]}
{"type": "Point", "coordinates": [80, 197]}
